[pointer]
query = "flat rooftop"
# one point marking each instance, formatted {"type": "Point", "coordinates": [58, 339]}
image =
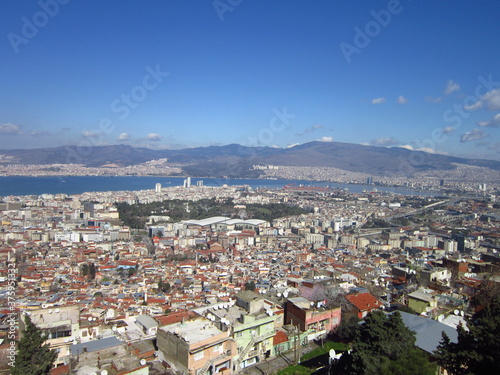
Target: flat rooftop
{"type": "Point", "coordinates": [193, 331]}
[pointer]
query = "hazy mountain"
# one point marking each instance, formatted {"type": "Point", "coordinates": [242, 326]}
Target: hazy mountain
{"type": "Point", "coordinates": [236, 160]}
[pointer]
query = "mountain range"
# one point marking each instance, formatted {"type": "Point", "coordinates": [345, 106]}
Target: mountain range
{"type": "Point", "coordinates": [236, 160]}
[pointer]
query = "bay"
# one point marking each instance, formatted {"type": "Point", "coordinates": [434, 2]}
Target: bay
{"type": "Point", "coordinates": [18, 185]}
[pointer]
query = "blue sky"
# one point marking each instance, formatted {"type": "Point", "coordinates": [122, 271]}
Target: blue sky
{"type": "Point", "coordinates": [173, 74]}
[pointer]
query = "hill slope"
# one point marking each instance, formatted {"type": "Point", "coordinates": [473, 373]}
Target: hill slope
{"type": "Point", "coordinates": [236, 160]}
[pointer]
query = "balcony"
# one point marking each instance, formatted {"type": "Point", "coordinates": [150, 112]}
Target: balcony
{"type": "Point", "coordinates": [252, 353]}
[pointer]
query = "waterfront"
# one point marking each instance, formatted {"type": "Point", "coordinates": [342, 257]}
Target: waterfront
{"type": "Point", "coordinates": [16, 185]}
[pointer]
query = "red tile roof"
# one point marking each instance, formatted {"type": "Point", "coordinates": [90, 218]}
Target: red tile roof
{"type": "Point", "coordinates": [279, 338]}
{"type": "Point", "coordinates": [363, 301]}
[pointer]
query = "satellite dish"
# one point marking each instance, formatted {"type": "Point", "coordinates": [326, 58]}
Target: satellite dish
{"type": "Point", "coordinates": [285, 294]}
{"type": "Point", "coordinates": [104, 372]}
{"type": "Point", "coordinates": [50, 311]}
{"type": "Point", "coordinates": [89, 318]}
{"type": "Point", "coordinates": [456, 312]}
{"type": "Point", "coordinates": [143, 362]}
{"type": "Point", "coordinates": [440, 318]}
{"type": "Point", "coordinates": [279, 295]}
{"type": "Point", "coordinates": [114, 328]}
{"type": "Point", "coordinates": [428, 308]}
{"type": "Point", "coordinates": [462, 313]}
{"type": "Point", "coordinates": [332, 353]}
{"type": "Point", "coordinates": [57, 311]}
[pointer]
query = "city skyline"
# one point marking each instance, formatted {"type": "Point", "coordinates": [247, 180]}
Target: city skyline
{"type": "Point", "coordinates": [419, 75]}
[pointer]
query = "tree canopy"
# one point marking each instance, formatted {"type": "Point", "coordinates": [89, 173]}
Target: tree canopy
{"type": "Point", "coordinates": [477, 351]}
{"type": "Point", "coordinates": [33, 356]}
{"type": "Point", "coordinates": [384, 345]}
{"type": "Point", "coordinates": [135, 215]}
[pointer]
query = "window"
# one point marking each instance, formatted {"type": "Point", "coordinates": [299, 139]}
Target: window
{"type": "Point", "coordinates": [218, 348]}
{"type": "Point", "coordinates": [199, 355]}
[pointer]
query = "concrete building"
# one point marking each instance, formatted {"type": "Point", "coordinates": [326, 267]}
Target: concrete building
{"type": "Point", "coordinates": [253, 327]}
{"type": "Point", "coordinates": [60, 324]}
{"type": "Point", "coordinates": [421, 301]}
{"type": "Point", "coordinates": [312, 317]}
{"type": "Point", "coordinates": [196, 347]}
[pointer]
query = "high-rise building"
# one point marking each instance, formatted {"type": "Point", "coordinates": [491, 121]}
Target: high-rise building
{"type": "Point", "coordinates": [187, 182]}
{"type": "Point", "coordinates": [199, 183]}
{"type": "Point", "coordinates": [158, 188]}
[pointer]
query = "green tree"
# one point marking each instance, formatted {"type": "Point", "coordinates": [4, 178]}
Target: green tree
{"type": "Point", "coordinates": [92, 271]}
{"type": "Point", "coordinates": [346, 331]}
{"type": "Point", "coordinates": [84, 269]}
{"type": "Point", "coordinates": [163, 287]}
{"type": "Point", "coordinates": [250, 285]}
{"type": "Point", "coordinates": [384, 345]}
{"type": "Point", "coordinates": [476, 351]}
{"type": "Point", "coordinates": [33, 356]}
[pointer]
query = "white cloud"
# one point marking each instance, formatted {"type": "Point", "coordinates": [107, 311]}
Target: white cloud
{"type": "Point", "coordinates": [473, 135]}
{"type": "Point", "coordinates": [423, 149]}
{"type": "Point", "coordinates": [325, 139]}
{"type": "Point", "coordinates": [124, 137]}
{"type": "Point", "coordinates": [474, 106]}
{"type": "Point", "coordinates": [385, 141]}
{"type": "Point", "coordinates": [292, 145]}
{"type": "Point", "coordinates": [154, 137]}
{"type": "Point", "coordinates": [89, 133]}
{"type": "Point", "coordinates": [10, 129]}
{"type": "Point", "coordinates": [451, 87]}
{"type": "Point", "coordinates": [448, 130]}
{"type": "Point", "coordinates": [490, 100]}
{"type": "Point", "coordinates": [408, 147]}
{"type": "Point", "coordinates": [493, 123]}
{"type": "Point", "coordinates": [378, 101]}
{"type": "Point", "coordinates": [402, 100]}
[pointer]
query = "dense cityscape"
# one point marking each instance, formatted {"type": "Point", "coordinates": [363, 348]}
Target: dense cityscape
{"type": "Point", "coordinates": [233, 187]}
{"type": "Point", "coordinates": [234, 290]}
